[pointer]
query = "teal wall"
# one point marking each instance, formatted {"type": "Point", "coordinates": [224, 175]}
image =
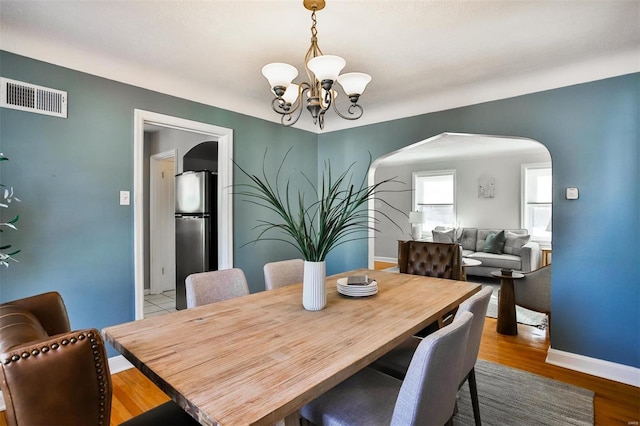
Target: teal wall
{"type": "Point", "coordinates": [77, 240]}
{"type": "Point", "coordinates": [592, 132]}
{"type": "Point", "coordinates": [74, 235]}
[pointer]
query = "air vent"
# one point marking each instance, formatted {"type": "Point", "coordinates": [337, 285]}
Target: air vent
{"type": "Point", "coordinates": [29, 97]}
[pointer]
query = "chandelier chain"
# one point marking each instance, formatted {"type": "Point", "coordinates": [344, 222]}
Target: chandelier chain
{"type": "Point", "coordinates": [314, 31]}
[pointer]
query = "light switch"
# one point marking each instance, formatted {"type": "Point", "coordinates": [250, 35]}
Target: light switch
{"type": "Point", "coordinates": [124, 198]}
{"type": "Point", "coordinates": [571, 193]}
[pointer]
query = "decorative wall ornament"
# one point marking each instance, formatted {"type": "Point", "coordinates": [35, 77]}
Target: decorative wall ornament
{"type": "Point", "coordinates": [486, 186]}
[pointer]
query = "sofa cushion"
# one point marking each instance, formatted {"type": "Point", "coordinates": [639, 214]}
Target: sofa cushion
{"type": "Point", "coordinates": [468, 238]}
{"type": "Point", "coordinates": [514, 242]}
{"type": "Point", "coordinates": [467, 253]}
{"type": "Point", "coordinates": [442, 236]}
{"type": "Point", "coordinates": [18, 327]}
{"type": "Point", "coordinates": [497, 261]}
{"type": "Point", "coordinates": [494, 243]}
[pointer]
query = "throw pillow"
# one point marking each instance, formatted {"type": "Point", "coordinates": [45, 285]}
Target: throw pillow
{"type": "Point", "coordinates": [443, 236]}
{"type": "Point", "coordinates": [514, 242]}
{"type": "Point", "coordinates": [468, 238]}
{"type": "Point", "coordinates": [494, 243]}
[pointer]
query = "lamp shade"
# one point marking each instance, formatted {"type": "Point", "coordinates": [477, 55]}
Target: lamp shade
{"type": "Point", "coordinates": [279, 74]}
{"type": "Point", "coordinates": [291, 94]}
{"type": "Point", "coordinates": [416, 217]}
{"type": "Point", "coordinates": [326, 67]}
{"type": "Point", "coordinates": [354, 83]}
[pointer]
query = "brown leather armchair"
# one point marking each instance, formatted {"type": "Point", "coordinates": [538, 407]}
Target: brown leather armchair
{"type": "Point", "coordinates": [48, 373]}
{"type": "Point", "coordinates": [440, 260]}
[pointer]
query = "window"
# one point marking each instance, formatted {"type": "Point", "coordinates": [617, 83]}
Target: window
{"type": "Point", "coordinates": [536, 200]}
{"type": "Point", "coordinates": [434, 195]}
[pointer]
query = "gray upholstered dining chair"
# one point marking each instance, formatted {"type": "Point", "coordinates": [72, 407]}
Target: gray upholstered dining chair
{"type": "Point", "coordinates": [426, 396]}
{"type": "Point", "coordinates": [396, 362]}
{"type": "Point", "coordinates": [283, 273]}
{"type": "Point", "coordinates": [215, 286]}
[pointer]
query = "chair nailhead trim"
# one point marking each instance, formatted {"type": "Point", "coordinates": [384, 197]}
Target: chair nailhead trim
{"type": "Point", "coordinates": [95, 348]}
{"type": "Point", "coordinates": [45, 349]}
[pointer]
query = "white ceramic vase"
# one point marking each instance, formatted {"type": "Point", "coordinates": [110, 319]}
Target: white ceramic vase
{"type": "Point", "coordinates": [314, 295]}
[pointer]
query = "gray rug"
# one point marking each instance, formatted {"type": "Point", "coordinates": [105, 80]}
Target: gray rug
{"type": "Point", "coordinates": [513, 397]}
{"type": "Point", "coordinates": [523, 315]}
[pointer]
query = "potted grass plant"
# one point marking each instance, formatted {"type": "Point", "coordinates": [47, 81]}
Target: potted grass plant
{"type": "Point", "coordinates": [6, 253]}
{"type": "Point", "coordinates": [337, 214]}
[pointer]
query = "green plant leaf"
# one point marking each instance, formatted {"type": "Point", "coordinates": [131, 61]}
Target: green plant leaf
{"type": "Point", "coordinates": [338, 215]}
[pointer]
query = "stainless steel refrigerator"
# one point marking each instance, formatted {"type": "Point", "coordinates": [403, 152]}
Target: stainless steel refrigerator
{"type": "Point", "coordinates": [196, 227]}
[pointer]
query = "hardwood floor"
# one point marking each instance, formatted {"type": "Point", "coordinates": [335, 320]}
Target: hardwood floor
{"type": "Point", "coordinates": [383, 265]}
{"type": "Point", "coordinates": [614, 404]}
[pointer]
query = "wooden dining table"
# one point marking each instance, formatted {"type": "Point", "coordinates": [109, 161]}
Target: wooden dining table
{"type": "Point", "coordinates": [257, 359]}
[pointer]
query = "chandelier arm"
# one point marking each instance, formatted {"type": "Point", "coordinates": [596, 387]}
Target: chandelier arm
{"type": "Point", "coordinates": [352, 115]}
{"type": "Point", "coordinates": [286, 119]}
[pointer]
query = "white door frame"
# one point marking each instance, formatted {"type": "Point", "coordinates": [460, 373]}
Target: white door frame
{"type": "Point", "coordinates": [157, 206]}
{"type": "Point", "coordinates": [224, 137]}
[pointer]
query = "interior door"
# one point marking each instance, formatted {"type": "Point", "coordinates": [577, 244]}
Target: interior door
{"type": "Point", "coordinates": [162, 227]}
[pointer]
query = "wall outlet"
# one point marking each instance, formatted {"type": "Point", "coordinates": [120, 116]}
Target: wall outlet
{"type": "Point", "coordinates": [124, 198]}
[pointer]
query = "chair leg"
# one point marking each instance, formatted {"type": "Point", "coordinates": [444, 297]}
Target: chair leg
{"type": "Point", "coordinates": [474, 396]}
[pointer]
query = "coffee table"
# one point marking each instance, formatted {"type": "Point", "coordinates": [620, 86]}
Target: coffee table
{"type": "Point", "coordinates": [507, 303]}
{"type": "Point", "coordinates": [467, 261]}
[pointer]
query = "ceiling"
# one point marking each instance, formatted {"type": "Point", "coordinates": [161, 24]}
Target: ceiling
{"type": "Point", "coordinates": [423, 56]}
{"type": "Point", "coordinates": [458, 146]}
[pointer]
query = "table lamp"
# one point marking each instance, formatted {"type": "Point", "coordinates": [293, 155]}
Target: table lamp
{"type": "Point", "coordinates": [416, 219]}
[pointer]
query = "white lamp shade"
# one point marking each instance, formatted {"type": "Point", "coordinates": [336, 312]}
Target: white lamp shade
{"type": "Point", "coordinates": [291, 94]}
{"type": "Point", "coordinates": [279, 74]}
{"type": "Point", "coordinates": [416, 217]}
{"type": "Point", "coordinates": [326, 67]}
{"type": "Point", "coordinates": [354, 83]}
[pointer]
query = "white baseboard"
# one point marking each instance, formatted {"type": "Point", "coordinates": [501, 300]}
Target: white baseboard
{"type": "Point", "coordinates": [596, 367]}
{"type": "Point", "coordinates": [385, 259]}
{"type": "Point", "coordinates": [119, 363]}
{"type": "Point", "coordinates": [116, 365]}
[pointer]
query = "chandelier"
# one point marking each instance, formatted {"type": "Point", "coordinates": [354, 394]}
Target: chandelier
{"type": "Point", "coordinates": [322, 71]}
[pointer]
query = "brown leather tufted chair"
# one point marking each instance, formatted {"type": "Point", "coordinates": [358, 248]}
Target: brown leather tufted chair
{"type": "Point", "coordinates": [440, 260]}
{"type": "Point", "coordinates": [50, 375]}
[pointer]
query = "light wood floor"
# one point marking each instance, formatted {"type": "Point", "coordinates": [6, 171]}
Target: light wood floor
{"type": "Point", "coordinates": [614, 403]}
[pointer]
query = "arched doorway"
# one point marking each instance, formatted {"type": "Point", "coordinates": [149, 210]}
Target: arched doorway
{"type": "Point", "coordinates": [472, 158]}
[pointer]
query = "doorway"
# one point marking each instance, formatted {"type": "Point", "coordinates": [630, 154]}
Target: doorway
{"type": "Point", "coordinates": [224, 138]}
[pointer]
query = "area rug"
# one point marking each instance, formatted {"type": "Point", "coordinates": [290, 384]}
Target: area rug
{"type": "Point", "coordinates": [513, 397]}
{"type": "Point", "coordinates": [523, 316]}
